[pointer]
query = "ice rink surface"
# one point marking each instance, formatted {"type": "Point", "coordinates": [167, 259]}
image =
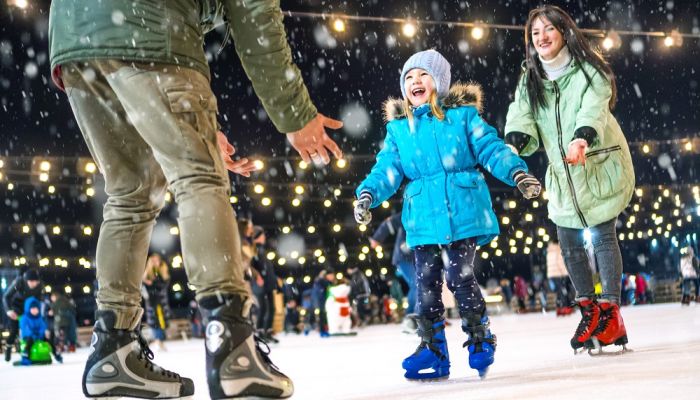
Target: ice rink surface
{"type": "Point", "coordinates": [533, 361]}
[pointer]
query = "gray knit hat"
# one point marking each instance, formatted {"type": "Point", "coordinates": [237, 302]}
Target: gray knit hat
{"type": "Point", "coordinates": [436, 65]}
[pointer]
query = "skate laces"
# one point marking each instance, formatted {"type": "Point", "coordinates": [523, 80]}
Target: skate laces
{"type": "Point", "coordinates": [427, 341]}
{"type": "Point", "coordinates": [477, 336]}
{"type": "Point", "coordinates": [146, 354]}
{"type": "Point", "coordinates": [264, 352]}
{"type": "Point", "coordinates": [587, 317]}
{"type": "Point", "coordinates": [603, 321]}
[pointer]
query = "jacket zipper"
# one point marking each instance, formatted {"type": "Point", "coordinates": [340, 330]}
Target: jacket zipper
{"type": "Point", "coordinates": [447, 200]}
{"type": "Point", "coordinates": [572, 189]}
{"type": "Point", "coordinates": [602, 151]}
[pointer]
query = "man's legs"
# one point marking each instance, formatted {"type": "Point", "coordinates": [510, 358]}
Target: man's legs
{"type": "Point", "coordinates": [174, 111]}
{"type": "Point", "coordinates": [135, 185]}
{"type": "Point", "coordinates": [178, 122]}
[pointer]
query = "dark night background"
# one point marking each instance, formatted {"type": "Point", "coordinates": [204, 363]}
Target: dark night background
{"type": "Point", "coordinates": [349, 75]}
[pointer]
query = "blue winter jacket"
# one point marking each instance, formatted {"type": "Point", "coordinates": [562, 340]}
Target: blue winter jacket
{"type": "Point", "coordinates": [32, 327]}
{"type": "Point", "coordinates": [446, 198]}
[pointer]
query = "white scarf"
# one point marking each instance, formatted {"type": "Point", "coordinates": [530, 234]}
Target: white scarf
{"type": "Point", "coordinates": [556, 67]}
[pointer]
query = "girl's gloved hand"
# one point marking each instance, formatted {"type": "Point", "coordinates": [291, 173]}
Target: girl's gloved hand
{"type": "Point", "coordinates": [362, 214]}
{"type": "Point", "coordinates": [528, 185]}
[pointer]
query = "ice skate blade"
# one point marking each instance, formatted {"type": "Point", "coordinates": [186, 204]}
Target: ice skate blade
{"type": "Point", "coordinates": [252, 398]}
{"type": "Point", "coordinates": [437, 379]}
{"type": "Point", "coordinates": [580, 350]}
{"type": "Point", "coordinates": [601, 352]}
{"type": "Point", "coordinates": [123, 398]}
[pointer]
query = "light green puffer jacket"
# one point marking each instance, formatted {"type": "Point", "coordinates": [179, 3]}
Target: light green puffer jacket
{"type": "Point", "coordinates": [579, 196]}
{"type": "Point", "coordinates": [172, 32]}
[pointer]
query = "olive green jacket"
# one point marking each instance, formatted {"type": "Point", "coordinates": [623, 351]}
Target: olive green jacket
{"type": "Point", "coordinates": [579, 196]}
{"type": "Point", "coordinates": [172, 32]}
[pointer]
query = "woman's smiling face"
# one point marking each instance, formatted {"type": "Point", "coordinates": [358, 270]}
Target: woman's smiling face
{"type": "Point", "coordinates": [548, 41]}
{"type": "Point", "coordinates": [418, 85]}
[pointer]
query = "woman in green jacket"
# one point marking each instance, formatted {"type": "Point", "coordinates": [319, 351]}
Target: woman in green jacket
{"type": "Point", "coordinates": [563, 101]}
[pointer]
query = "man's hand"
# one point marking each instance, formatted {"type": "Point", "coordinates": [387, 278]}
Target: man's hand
{"type": "Point", "coordinates": [12, 315]}
{"type": "Point", "coordinates": [373, 243]}
{"type": "Point", "coordinates": [241, 167]}
{"type": "Point", "coordinates": [312, 141]}
{"type": "Point", "coordinates": [362, 214]}
{"type": "Point", "coordinates": [528, 185]}
{"type": "Point", "coordinates": [576, 153]}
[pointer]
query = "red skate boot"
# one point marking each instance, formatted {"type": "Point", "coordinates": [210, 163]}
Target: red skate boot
{"type": "Point", "coordinates": [610, 330]}
{"type": "Point", "coordinates": [590, 314]}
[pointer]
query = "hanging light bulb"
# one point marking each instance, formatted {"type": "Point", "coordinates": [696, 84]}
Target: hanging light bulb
{"type": "Point", "coordinates": [409, 29]}
{"type": "Point", "coordinates": [478, 33]}
{"type": "Point", "coordinates": [612, 41]}
{"type": "Point", "coordinates": [339, 25]}
{"type": "Point", "coordinates": [673, 39]}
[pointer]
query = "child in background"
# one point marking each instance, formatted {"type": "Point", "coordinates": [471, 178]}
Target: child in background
{"type": "Point", "coordinates": [32, 328]}
{"type": "Point", "coordinates": [435, 139]}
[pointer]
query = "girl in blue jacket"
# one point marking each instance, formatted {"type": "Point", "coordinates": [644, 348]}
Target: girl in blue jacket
{"type": "Point", "coordinates": [435, 139]}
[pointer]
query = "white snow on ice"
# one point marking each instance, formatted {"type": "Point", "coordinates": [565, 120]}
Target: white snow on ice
{"type": "Point", "coordinates": [533, 361]}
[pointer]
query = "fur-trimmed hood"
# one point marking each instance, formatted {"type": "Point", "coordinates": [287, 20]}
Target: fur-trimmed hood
{"type": "Point", "coordinates": [461, 94]}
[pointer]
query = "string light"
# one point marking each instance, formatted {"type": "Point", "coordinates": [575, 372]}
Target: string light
{"type": "Point", "coordinates": [478, 33]}
{"type": "Point", "coordinates": [612, 41]}
{"type": "Point", "coordinates": [409, 29]}
{"type": "Point", "coordinates": [674, 39]}
{"type": "Point", "coordinates": [339, 25]}
{"type": "Point", "coordinates": [409, 26]}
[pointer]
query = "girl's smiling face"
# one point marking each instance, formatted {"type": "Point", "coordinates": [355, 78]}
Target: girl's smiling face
{"type": "Point", "coordinates": [547, 40]}
{"type": "Point", "coordinates": [418, 85]}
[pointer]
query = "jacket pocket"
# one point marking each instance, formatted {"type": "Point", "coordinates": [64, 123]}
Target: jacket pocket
{"type": "Point", "coordinates": [466, 197]}
{"type": "Point", "coordinates": [551, 184]}
{"type": "Point", "coordinates": [466, 179]}
{"type": "Point", "coordinates": [604, 172]}
{"type": "Point", "coordinates": [411, 205]}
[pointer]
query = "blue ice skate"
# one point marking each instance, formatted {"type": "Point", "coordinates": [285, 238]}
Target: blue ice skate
{"type": "Point", "coordinates": [481, 344]}
{"type": "Point", "coordinates": [431, 360]}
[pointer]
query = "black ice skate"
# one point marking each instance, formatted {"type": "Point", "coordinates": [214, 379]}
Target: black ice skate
{"type": "Point", "coordinates": [237, 364]}
{"type": "Point", "coordinates": [120, 365]}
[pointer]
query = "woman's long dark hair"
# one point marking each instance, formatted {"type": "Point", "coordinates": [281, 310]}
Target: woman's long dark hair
{"type": "Point", "coordinates": [579, 48]}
